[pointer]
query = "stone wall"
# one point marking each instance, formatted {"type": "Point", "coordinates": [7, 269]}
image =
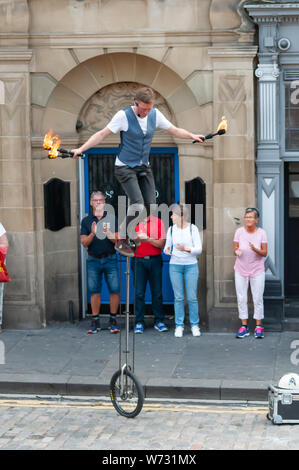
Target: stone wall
{"type": "Point", "coordinates": [233, 160]}
{"type": "Point", "coordinates": [23, 296]}
{"type": "Point", "coordinates": [197, 54]}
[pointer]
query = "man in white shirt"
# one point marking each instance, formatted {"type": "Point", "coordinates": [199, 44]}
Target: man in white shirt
{"type": "Point", "coordinates": [137, 125]}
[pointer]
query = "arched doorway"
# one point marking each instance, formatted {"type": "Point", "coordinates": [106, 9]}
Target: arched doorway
{"type": "Point", "coordinates": [76, 97]}
{"type": "Point", "coordinates": [97, 173]}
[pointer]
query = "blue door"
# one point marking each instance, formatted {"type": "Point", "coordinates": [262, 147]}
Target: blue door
{"type": "Point", "coordinates": [99, 175]}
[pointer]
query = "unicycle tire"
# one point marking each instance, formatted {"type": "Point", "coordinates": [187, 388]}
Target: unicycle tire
{"type": "Point", "coordinates": [129, 402]}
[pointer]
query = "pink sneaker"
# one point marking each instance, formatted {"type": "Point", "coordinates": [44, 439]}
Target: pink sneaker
{"type": "Point", "coordinates": [259, 332]}
{"type": "Point", "coordinates": [242, 332]}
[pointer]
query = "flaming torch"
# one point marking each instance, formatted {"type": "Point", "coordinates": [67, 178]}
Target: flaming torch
{"type": "Point", "coordinates": [52, 142]}
{"type": "Point", "coordinates": [221, 129]}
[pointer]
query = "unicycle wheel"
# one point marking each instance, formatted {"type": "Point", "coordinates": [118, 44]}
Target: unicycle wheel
{"type": "Point", "coordinates": [126, 393]}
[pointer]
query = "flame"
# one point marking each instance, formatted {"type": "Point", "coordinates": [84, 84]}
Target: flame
{"type": "Point", "coordinates": [51, 143]}
{"type": "Point", "coordinates": [223, 124]}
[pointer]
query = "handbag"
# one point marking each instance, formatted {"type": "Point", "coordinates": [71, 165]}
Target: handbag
{"type": "Point", "coordinates": [4, 276]}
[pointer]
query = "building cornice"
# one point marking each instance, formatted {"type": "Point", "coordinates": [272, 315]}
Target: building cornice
{"type": "Point", "coordinates": [15, 55]}
{"type": "Point", "coordinates": [123, 40]}
{"type": "Point", "coordinates": [232, 50]}
{"type": "Point", "coordinates": [273, 13]}
{"type": "Point", "coordinates": [15, 59]}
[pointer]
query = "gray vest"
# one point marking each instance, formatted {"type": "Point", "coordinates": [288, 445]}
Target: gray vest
{"type": "Point", "coordinates": [134, 145]}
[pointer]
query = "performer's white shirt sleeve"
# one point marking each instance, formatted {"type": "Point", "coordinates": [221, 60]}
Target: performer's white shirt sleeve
{"type": "Point", "coordinates": [119, 122]}
{"type": "Point", "coordinates": [161, 121]}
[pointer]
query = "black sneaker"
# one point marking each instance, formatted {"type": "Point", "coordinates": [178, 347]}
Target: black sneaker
{"type": "Point", "coordinates": [125, 248]}
{"type": "Point", "coordinates": [113, 327]}
{"type": "Point", "coordinates": [95, 326]}
{"type": "Point", "coordinates": [134, 243]}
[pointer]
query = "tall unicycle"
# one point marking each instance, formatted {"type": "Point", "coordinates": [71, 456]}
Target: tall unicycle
{"type": "Point", "coordinates": [126, 391]}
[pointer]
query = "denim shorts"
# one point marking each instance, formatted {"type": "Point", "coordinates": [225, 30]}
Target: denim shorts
{"type": "Point", "coordinates": [96, 267]}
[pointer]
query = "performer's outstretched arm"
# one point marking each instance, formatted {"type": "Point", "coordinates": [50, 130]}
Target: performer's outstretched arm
{"type": "Point", "coordinates": [183, 134]}
{"type": "Point", "coordinates": [93, 141]}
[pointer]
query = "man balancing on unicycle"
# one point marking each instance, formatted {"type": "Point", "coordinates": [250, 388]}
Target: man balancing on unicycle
{"type": "Point", "coordinates": [136, 124]}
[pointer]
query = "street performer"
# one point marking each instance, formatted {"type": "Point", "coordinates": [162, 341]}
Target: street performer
{"type": "Point", "coordinates": [136, 124]}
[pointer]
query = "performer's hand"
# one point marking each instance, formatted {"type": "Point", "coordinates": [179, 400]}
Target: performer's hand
{"type": "Point", "coordinates": [198, 138]}
{"type": "Point", "coordinates": [167, 251]}
{"type": "Point", "coordinates": [238, 252]}
{"type": "Point", "coordinates": [76, 152]}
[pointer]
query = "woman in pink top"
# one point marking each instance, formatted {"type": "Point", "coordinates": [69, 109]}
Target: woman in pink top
{"type": "Point", "coordinates": [250, 248]}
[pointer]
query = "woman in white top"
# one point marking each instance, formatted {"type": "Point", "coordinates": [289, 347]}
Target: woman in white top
{"type": "Point", "coordinates": [3, 249]}
{"type": "Point", "coordinates": [183, 244]}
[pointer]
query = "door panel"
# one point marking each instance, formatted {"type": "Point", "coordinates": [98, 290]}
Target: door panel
{"type": "Point", "coordinates": [99, 175]}
{"type": "Point", "coordinates": [292, 229]}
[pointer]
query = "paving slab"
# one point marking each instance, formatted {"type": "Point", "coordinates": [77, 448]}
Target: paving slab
{"type": "Point", "coordinates": [63, 359]}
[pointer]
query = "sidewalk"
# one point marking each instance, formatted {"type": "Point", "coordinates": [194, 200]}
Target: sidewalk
{"type": "Point", "coordinates": [63, 359]}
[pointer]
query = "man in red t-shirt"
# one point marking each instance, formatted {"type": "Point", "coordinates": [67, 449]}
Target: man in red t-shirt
{"type": "Point", "coordinates": [151, 234]}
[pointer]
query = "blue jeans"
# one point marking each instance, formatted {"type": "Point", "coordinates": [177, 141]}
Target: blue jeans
{"type": "Point", "coordinates": [96, 267]}
{"type": "Point", "coordinates": [178, 274]}
{"type": "Point", "coordinates": [148, 270]}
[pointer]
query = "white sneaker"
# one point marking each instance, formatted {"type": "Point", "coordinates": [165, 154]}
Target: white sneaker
{"type": "Point", "coordinates": [179, 331]}
{"type": "Point", "coordinates": [195, 330]}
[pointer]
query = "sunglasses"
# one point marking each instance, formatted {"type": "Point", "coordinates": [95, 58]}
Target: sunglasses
{"type": "Point", "coordinates": [252, 209]}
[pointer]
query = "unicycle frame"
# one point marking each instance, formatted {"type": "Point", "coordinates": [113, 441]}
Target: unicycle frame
{"type": "Point", "coordinates": [122, 386]}
{"type": "Point", "coordinates": [126, 366]}
{"type": "Point", "coordinates": [124, 373]}
{"type": "Point", "coordinates": [127, 325]}
{"type": "Point", "coordinates": [127, 312]}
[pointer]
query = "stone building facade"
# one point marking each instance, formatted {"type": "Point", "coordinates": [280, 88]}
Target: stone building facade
{"type": "Point", "coordinates": [277, 163]}
{"type": "Point", "coordinates": [64, 62]}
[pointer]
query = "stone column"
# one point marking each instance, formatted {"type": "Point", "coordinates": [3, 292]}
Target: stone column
{"type": "Point", "coordinates": [233, 166]}
{"type": "Point", "coordinates": [21, 300]}
{"type": "Point", "coordinates": [267, 74]}
{"type": "Point", "coordinates": [270, 186]}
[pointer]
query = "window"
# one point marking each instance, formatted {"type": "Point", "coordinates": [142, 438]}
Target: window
{"type": "Point", "coordinates": [293, 190]}
{"type": "Point", "coordinates": [291, 117]}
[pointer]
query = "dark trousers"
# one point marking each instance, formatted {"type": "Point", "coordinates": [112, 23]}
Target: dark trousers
{"type": "Point", "coordinates": [148, 270]}
{"type": "Point", "coordinates": [139, 185]}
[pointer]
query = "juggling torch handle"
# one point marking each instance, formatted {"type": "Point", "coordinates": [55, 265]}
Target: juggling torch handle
{"type": "Point", "coordinates": [68, 153]}
{"type": "Point", "coordinates": [210, 136]}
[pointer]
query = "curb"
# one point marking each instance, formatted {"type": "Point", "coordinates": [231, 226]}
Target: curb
{"type": "Point", "coordinates": [153, 388]}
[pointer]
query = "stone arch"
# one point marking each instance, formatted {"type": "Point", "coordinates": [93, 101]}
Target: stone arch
{"type": "Point", "coordinates": [68, 98]}
{"type": "Point", "coordinates": [100, 108]}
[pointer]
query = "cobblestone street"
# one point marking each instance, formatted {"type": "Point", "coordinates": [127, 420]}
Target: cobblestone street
{"type": "Point", "coordinates": [78, 424]}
